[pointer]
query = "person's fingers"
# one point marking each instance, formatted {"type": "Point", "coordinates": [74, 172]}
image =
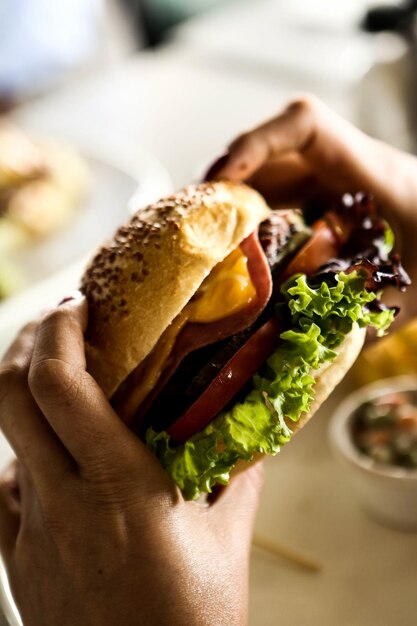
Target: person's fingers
{"type": "Point", "coordinates": [9, 512]}
{"type": "Point", "coordinates": [236, 505]}
{"type": "Point", "coordinates": [286, 181]}
{"type": "Point", "coordinates": [291, 131]}
{"type": "Point", "coordinates": [288, 133]}
{"type": "Point", "coordinates": [71, 400]}
{"type": "Point", "coordinates": [333, 149]}
{"type": "Point", "coordinates": [337, 158]}
{"type": "Point", "coordinates": [340, 158]}
{"type": "Point", "coordinates": [216, 167]}
{"type": "Point", "coordinates": [21, 420]}
{"type": "Point", "coordinates": [20, 350]}
{"type": "Point", "coordinates": [28, 495]}
{"type": "Point", "coordinates": [61, 334]}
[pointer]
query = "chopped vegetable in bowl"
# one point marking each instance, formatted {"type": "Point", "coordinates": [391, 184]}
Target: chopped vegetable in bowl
{"type": "Point", "coordinates": [385, 429]}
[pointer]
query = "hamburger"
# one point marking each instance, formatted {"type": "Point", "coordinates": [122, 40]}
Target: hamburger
{"type": "Point", "coordinates": [218, 326]}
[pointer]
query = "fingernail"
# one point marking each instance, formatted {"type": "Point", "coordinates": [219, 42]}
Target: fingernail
{"type": "Point", "coordinates": [216, 167]}
{"type": "Point", "coordinates": [73, 295]}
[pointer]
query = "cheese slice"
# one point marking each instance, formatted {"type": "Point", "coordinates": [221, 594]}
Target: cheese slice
{"type": "Point", "coordinates": [226, 290]}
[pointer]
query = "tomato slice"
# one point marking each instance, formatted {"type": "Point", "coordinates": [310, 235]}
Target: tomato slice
{"type": "Point", "coordinates": [323, 245]}
{"type": "Point", "coordinates": [237, 371]}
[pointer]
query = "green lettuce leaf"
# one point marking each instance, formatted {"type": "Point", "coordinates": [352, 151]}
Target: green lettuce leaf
{"type": "Point", "coordinates": [320, 317]}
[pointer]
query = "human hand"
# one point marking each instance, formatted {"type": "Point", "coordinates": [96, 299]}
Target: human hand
{"type": "Point", "coordinates": [309, 153]}
{"type": "Point", "coordinates": [92, 530]}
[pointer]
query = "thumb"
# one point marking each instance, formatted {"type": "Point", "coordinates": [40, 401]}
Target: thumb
{"type": "Point", "coordinates": [236, 506]}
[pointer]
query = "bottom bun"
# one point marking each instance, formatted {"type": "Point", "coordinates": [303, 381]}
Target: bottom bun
{"type": "Point", "coordinates": [332, 373]}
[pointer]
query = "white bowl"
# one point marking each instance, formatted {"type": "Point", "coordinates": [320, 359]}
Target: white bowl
{"type": "Point", "coordinates": [386, 492]}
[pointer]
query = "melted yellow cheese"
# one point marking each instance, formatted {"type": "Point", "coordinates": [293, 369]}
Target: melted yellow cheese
{"type": "Point", "coordinates": [226, 290]}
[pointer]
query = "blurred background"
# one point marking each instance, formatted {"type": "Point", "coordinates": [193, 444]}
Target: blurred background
{"type": "Point", "coordinates": [108, 104]}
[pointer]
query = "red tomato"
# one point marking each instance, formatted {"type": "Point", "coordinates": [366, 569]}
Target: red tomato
{"type": "Point", "coordinates": [237, 371]}
{"type": "Point", "coordinates": [322, 246]}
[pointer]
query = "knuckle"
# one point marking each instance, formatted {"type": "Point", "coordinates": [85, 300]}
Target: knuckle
{"type": "Point", "coordinates": [303, 118]}
{"type": "Point", "coordinates": [12, 377]}
{"type": "Point", "coordinates": [60, 319]}
{"type": "Point", "coordinates": [242, 141]}
{"type": "Point", "coordinates": [104, 473]}
{"type": "Point", "coordinates": [54, 378]}
{"type": "Point", "coordinates": [56, 315]}
{"type": "Point", "coordinates": [305, 104]}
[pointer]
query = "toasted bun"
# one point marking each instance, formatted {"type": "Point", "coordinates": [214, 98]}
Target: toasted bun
{"type": "Point", "coordinates": [140, 281]}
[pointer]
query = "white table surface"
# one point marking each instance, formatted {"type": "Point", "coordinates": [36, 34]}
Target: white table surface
{"type": "Point", "coordinates": [184, 110]}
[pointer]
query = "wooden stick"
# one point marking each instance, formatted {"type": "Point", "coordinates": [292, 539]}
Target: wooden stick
{"type": "Point", "coordinates": [276, 549]}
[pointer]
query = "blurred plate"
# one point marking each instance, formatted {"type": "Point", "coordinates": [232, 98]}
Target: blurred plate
{"type": "Point", "coordinates": [117, 171]}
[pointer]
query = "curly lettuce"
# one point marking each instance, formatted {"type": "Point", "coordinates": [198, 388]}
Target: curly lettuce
{"type": "Point", "coordinates": [320, 317]}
